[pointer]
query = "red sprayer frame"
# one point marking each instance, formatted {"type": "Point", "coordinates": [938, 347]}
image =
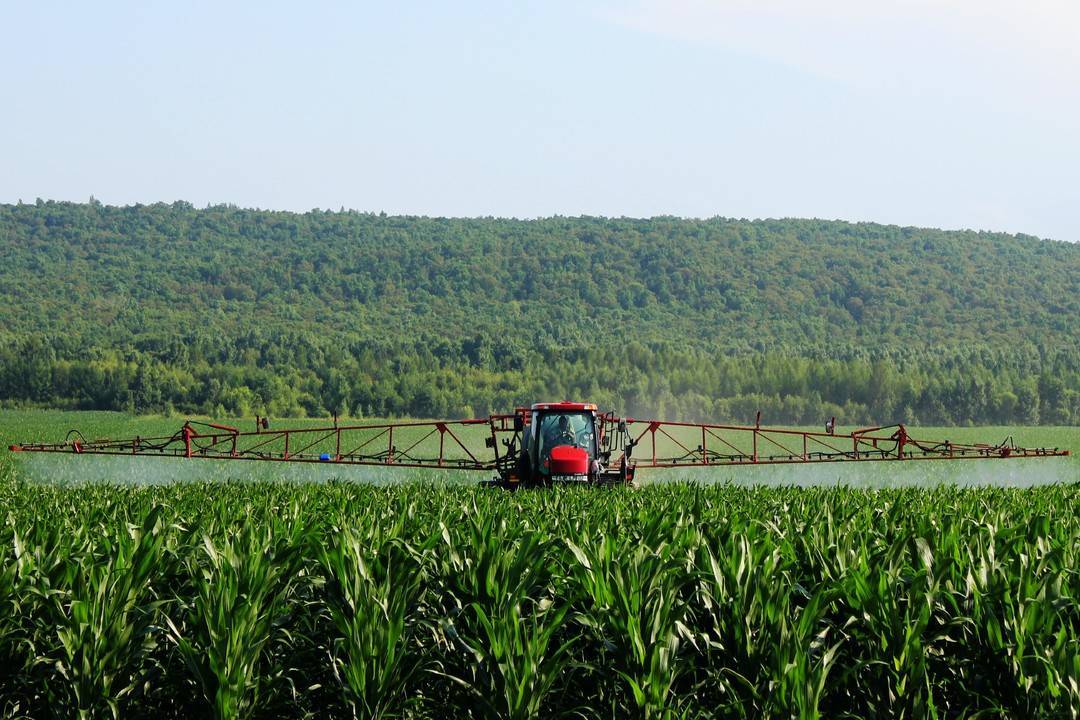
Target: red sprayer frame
{"type": "Point", "coordinates": [623, 442]}
{"type": "Point", "coordinates": [699, 444]}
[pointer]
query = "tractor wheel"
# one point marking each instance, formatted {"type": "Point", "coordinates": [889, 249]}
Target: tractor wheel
{"type": "Point", "coordinates": [524, 469]}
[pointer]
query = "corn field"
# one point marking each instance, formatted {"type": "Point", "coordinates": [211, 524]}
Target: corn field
{"type": "Point", "coordinates": [265, 600]}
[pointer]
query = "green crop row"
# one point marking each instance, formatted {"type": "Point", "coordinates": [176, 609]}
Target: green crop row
{"type": "Point", "coordinates": [339, 600]}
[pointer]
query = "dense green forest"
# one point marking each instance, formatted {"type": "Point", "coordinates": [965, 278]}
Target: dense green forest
{"type": "Point", "coordinates": [227, 310]}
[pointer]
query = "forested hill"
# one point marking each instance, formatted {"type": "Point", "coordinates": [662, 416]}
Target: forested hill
{"type": "Point", "coordinates": [119, 274]}
{"type": "Point", "coordinates": [239, 310]}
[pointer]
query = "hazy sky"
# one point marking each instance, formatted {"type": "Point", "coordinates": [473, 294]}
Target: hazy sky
{"type": "Point", "coordinates": [945, 113]}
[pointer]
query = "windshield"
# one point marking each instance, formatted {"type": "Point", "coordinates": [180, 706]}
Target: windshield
{"type": "Point", "coordinates": [573, 428]}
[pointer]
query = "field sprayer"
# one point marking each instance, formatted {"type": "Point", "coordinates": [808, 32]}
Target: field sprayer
{"type": "Point", "coordinates": [549, 442]}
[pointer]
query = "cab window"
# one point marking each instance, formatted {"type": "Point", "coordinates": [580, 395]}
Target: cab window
{"type": "Point", "coordinates": [565, 429]}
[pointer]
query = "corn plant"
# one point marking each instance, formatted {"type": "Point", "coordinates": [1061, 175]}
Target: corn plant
{"type": "Point", "coordinates": [632, 601]}
{"type": "Point", "coordinates": [240, 589]}
{"type": "Point", "coordinates": [502, 622]}
{"type": "Point", "coordinates": [104, 618]}
{"type": "Point", "coordinates": [373, 591]}
{"type": "Point", "coordinates": [15, 589]}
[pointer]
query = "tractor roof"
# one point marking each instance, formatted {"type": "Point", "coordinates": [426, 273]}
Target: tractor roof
{"type": "Point", "coordinates": [565, 406]}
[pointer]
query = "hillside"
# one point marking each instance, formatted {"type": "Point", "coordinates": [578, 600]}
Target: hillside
{"type": "Point", "coordinates": [311, 312]}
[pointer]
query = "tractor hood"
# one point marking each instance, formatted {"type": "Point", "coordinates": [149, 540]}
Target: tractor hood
{"type": "Point", "coordinates": [568, 460]}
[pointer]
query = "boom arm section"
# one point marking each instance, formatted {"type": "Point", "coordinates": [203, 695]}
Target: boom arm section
{"type": "Point", "coordinates": [659, 444]}
{"type": "Point", "coordinates": [451, 444]}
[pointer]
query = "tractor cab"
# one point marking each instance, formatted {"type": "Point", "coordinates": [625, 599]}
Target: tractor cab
{"type": "Point", "coordinates": [560, 443]}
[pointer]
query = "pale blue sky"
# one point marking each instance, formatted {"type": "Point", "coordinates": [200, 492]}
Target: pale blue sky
{"type": "Point", "coordinates": [947, 113]}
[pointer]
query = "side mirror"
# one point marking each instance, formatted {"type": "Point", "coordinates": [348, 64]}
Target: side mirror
{"type": "Point", "coordinates": [519, 423]}
{"type": "Point", "coordinates": [489, 442]}
{"type": "Point", "coordinates": [622, 427]}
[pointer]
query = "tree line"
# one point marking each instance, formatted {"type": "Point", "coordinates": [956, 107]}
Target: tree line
{"type": "Point", "coordinates": [308, 376]}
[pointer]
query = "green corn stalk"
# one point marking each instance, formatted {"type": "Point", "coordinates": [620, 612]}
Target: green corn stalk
{"type": "Point", "coordinates": [742, 597]}
{"type": "Point", "coordinates": [104, 620]}
{"type": "Point", "coordinates": [506, 644]}
{"type": "Point", "coordinates": [632, 601]}
{"type": "Point", "coordinates": [15, 602]}
{"type": "Point", "coordinates": [1022, 588]}
{"type": "Point", "coordinates": [240, 589]}
{"type": "Point", "coordinates": [373, 589]}
{"type": "Point", "coordinates": [45, 559]}
{"type": "Point", "coordinates": [523, 661]}
{"type": "Point", "coordinates": [511, 643]}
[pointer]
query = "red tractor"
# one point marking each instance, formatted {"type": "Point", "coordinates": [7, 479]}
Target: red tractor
{"type": "Point", "coordinates": [563, 442]}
